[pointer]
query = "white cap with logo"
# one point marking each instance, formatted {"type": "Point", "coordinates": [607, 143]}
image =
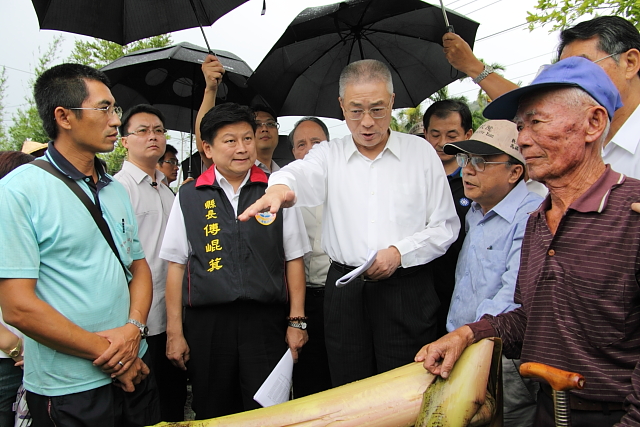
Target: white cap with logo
{"type": "Point", "coordinates": [492, 137]}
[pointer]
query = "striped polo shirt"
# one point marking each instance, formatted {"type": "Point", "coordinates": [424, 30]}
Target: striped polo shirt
{"type": "Point", "coordinates": [579, 292]}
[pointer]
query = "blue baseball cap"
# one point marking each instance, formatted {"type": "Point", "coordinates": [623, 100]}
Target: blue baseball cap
{"type": "Point", "coordinates": [574, 71]}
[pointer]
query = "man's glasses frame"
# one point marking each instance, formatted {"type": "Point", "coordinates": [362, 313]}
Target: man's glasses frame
{"type": "Point", "coordinates": [268, 125]}
{"type": "Point", "coordinates": [478, 163]}
{"type": "Point", "coordinates": [109, 110]}
{"type": "Point", "coordinates": [146, 131]}
{"type": "Point", "coordinates": [375, 112]}
{"type": "Point", "coordinates": [172, 162]}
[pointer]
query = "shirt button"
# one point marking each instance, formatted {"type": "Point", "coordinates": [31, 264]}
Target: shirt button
{"type": "Point", "coordinates": [86, 179]}
{"type": "Point", "coordinates": [551, 252]}
{"type": "Point", "coordinates": [372, 193]}
{"type": "Point", "coordinates": [373, 220]}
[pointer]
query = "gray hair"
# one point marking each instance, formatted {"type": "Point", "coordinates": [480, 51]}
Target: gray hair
{"type": "Point", "coordinates": [364, 71]}
{"type": "Point", "coordinates": [309, 119]}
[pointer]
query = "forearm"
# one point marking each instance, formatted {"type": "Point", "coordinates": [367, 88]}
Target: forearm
{"type": "Point", "coordinates": [140, 291]}
{"type": "Point", "coordinates": [208, 102]}
{"type": "Point", "coordinates": [296, 284]}
{"type": "Point", "coordinates": [8, 340]}
{"type": "Point", "coordinates": [495, 85]}
{"type": "Point", "coordinates": [38, 320]}
{"type": "Point", "coordinates": [173, 298]}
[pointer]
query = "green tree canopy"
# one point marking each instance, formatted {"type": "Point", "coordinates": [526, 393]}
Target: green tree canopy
{"type": "Point", "coordinates": [562, 13]}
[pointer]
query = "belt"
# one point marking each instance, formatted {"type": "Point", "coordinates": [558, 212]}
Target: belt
{"type": "Point", "coordinates": [400, 271]}
{"type": "Point", "coordinates": [580, 404]}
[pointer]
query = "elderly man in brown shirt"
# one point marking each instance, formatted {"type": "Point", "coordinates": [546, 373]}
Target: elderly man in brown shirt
{"type": "Point", "coordinates": [578, 279]}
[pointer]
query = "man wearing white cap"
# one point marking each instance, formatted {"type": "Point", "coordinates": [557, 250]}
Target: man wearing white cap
{"type": "Point", "coordinates": [487, 268]}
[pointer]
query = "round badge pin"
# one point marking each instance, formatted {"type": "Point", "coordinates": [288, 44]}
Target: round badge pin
{"type": "Point", "coordinates": [464, 201]}
{"type": "Point", "coordinates": [265, 218]}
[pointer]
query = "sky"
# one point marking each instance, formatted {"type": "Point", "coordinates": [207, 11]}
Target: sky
{"type": "Point", "coordinates": [249, 35]}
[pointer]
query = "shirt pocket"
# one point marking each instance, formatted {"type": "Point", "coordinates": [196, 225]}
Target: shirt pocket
{"type": "Point", "coordinates": [593, 310]}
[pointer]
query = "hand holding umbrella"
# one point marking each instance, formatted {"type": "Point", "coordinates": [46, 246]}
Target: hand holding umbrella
{"type": "Point", "coordinates": [213, 71]}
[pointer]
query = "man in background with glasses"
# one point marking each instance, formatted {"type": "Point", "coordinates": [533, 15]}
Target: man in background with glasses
{"type": "Point", "coordinates": [144, 137]}
{"type": "Point", "coordinates": [266, 137]}
{"type": "Point", "coordinates": [384, 193]}
{"type": "Point", "coordinates": [81, 304]}
{"type": "Point", "coordinates": [448, 121]}
{"type": "Point", "coordinates": [610, 41]}
{"type": "Point", "coordinates": [169, 165]}
{"type": "Point", "coordinates": [493, 177]}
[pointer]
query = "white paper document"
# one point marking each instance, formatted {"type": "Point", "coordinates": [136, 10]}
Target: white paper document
{"type": "Point", "coordinates": [347, 278]}
{"type": "Point", "coordinates": [277, 386]}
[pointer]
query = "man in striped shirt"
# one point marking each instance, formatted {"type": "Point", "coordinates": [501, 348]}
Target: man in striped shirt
{"type": "Point", "coordinates": [578, 279]}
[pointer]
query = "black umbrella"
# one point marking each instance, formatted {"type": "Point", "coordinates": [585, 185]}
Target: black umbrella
{"type": "Point", "coordinates": [299, 76]}
{"type": "Point", "coordinates": [124, 21]}
{"type": "Point", "coordinates": [170, 79]}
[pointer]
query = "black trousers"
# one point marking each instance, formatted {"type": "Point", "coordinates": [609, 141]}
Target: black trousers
{"type": "Point", "coordinates": [172, 381]}
{"type": "Point", "coordinates": [106, 406]}
{"type": "Point", "coordinates": [311, 373]}
{"type": "Point", "coordinates": [234, 347]}
{"type": "Point", "coordinates": [544, 415]}
{"type": "Point", "coordinates": [373, 327]}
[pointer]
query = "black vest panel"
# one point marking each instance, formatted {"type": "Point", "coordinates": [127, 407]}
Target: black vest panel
{"type": "Point", "coordinates": [230, 260]}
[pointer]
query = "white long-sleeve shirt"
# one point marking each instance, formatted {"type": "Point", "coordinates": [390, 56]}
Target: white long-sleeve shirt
{"type": "Point", "coordinates": [401, 199]}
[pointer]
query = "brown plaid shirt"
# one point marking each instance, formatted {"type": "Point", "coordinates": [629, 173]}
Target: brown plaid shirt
{"type": "Point", "coordinates": [579, 293]}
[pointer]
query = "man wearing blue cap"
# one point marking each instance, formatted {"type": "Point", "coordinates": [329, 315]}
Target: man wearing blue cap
{"type": "Point", "coordinates": [578, 279]}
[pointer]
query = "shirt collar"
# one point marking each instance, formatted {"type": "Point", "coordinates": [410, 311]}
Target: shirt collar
{"type": "Point", "coordinates": [255, 174]}
{"type": "Point", "coordinates": [392, 145]}
{"type": "Point", "coordinates": [455, 174]}
{"type": "Point", "coordinates": [265, 169]}
{"type": "Point", "coordinates": [138, 174]}
{"type": "Point", "coordinates": [627, 136]}
{"type": "Point", "coordinates": [595, 198]}
{"type": "Point", "coordinates": [71, 171]}
{"type": "Point", "coordinates": [508, 206]}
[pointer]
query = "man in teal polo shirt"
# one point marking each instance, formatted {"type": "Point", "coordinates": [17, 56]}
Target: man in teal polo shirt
{"type": "Point", "coordinates": [61, 284]}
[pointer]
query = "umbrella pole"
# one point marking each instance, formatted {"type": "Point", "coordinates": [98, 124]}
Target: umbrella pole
{"type": "Point", "coordinates": [195, 12]}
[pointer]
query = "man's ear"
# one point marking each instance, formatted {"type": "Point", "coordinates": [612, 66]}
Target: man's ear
{"type": "Point", "coordinates": [516, 172]}
{"type": "Point", "coordinates": [125, 142]}
{"type": "Point", "coordinates": [393, 98]}
{"type": "Point", "coordinates": [597, 123]}
{"type": "Point", "coordinates": [62, 116]}
{"type": "Point", "coordinates": [468, 134]}
{"type": "Point", "coordinates": [632, 59]}
{"type": "Point", "coordinates": [208, 149]}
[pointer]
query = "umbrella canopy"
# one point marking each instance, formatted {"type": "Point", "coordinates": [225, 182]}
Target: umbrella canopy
{"type": "Point", "coordinates": [404, 34]}
{"type": "Point", "coordinates": [171, 80]}
{"type": "Point", "coordinates": [124, 21]}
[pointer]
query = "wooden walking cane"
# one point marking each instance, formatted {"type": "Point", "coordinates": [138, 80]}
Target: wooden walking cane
{"type": "Point", "coordinates": [561, 382]}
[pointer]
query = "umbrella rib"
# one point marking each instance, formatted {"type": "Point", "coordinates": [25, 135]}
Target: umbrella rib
{"type": "Point", "coordinates": [391, 65]}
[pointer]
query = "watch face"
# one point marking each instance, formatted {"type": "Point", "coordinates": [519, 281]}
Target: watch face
{"type": "Point", "coordinates": [14, 353]}
{"type": "Point", "coordinates": [303, 325]}
{"type": "Point", "coordinates": [145, 332]}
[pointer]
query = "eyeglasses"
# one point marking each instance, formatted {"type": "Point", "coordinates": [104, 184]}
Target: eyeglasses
{"type": "Point", "coordinates": [268, 124]}
{"type": "Point", "coordinates": [146, 131]}
{"type": "Point", "coordinates": [605, 57]}
{"type": "Point", "coordinates": [110, 110]}
{"type": "Point", "coordinates": [375, 113]}
{"type": "Point", "coordinates": [172, 162]}
{"type": "Point", "coordinates": [478, 163]}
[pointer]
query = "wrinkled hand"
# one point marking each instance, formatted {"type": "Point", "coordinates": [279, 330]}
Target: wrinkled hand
{"type": "Point", "coordinates": [276, 197]}
{"type": "Point", "coordinates": [178, 351]}
{"type": "Point", "coordinates": [213, 71]}
{"type": "Point", "coordinates": [124, 343]}
{"type": "Point", "coordinates": [635, 207]}
{"type": "Point", "coordinates": [386, 263]}
{"type": "Point", "coordinates": [131, 377]}
{"type": "Point", "coordinates": [188, 180]}
{"type": "Point", "coordinates": [460, 56]}
{"type": "Point", "coordinates": [440, 356]}
{"type": "Point", "coordinates": [296, 338]}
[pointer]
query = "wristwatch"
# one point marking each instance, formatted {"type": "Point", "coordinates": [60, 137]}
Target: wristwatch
{"type": "Point", "coordinates": [144, 330]}
{"type": "Point", "coordinates": [298, 322]}
{"type": "Point", "coordinates": [15, 351]}
{"type": "Point", "coordinates": [488, 69]}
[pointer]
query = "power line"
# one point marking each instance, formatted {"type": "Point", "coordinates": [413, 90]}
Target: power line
{"type": "Point", "coordinates": [466, 4]}
{"type": "Point", "coordinates": [16, 69]}
{"type": "Point", "coordinates": [503, 31]}
{"type": "Point", "coordinates": [529, 59]}
{"type": "Point", "coordinates": [483, 7]}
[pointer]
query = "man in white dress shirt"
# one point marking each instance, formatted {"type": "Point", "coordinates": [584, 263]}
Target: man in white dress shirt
{"type": "Point", "coordinates": [143, 135]}
{"type": "Point", "coordinates": [385, 192]}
